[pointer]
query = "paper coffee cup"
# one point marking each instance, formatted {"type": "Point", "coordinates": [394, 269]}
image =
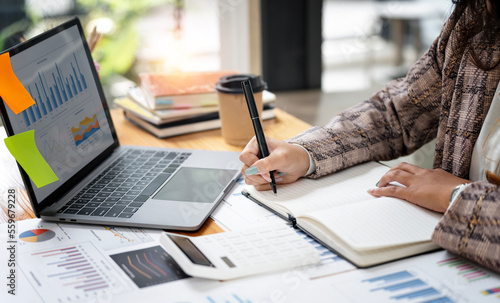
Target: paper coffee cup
{"type": "Point", "coordinates": [236, 124]}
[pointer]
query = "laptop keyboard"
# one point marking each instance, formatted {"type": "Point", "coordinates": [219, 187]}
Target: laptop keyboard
{"type": "Point", "coordinates": [122, 188]}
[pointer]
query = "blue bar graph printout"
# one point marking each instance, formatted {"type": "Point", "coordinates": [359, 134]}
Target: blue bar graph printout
{"type": "Point", "coordinates": [402, 286]}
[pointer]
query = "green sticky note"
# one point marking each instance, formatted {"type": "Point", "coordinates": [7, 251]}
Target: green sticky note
{"type": "Point", "coordinates": [22, 146]}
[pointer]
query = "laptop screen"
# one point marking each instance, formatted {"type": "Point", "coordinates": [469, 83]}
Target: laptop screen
{"type": "Point", "coordinates": [70, 117]}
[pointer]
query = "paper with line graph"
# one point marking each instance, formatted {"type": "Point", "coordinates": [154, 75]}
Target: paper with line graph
{"type": "Point", "coordinates": [149, 266]}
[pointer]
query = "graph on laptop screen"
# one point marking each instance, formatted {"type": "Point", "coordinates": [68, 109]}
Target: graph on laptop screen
{"type": "Point", "coordinates": [70, 126]}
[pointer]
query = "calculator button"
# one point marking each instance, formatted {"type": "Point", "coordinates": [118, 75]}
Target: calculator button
{"type": "Point", "coordinates": [266, 250]}
{"type": "Point", "coordinates": [279, 241]}
{"type": "Point", "coordinates": [225, 243]}
{"type": "Point", "coordinates": [285, 247]}
{"type": "Point", "coordinates": [245, 246]}
{"type": "Point", "coordinates": [236, 255]}
{"type": "Point", "coordinates": [248, 233]}
{"type": "Point", "coordinates": [237, 241]}
{"type": "Point", "coordinates": [259, 260]}
{"type": "Point", "coordinates": [274, 256]}
{"type": "Point", "coordinates": [260, 244]}
{"type": "Point", "coordinates": [251, 253]}
{"type": "Point", "coordinates": [218, 237]}
{"type": "Point", "coordinates": [231, 236]}
{"type": "Point", "coordinates": [290, 253]}
{"type": "Point", "coordinates": [253, 237]}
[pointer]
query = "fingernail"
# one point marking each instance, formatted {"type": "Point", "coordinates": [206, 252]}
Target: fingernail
{"type": "Point", "coordinates": [371, 190]}
{"type": "Point", "coordinates": [251, 171]}
{"type": "Point", "coordinates": [266, 177]}
{"type": "Point", "coordinates": [281, 174]}
{"type": "Point", "coordinates": [377, 183]}
{"type": "Point", "coordinates": [278, 179]}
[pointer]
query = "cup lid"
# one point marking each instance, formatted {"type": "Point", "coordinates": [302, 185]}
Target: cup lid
{"type": "Point", "coordinates": [231, 84]}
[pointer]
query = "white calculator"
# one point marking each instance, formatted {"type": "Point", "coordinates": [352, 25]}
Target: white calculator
{"type": "Point", "coordinates": [236, 254]}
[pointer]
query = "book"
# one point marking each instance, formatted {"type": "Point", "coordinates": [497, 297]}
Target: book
{"type": "Point", "coordinates": [136, 103]}
{"type": "Point", "coordinates": [181, 90]}
{"type": "Point", "coordinates": [338, 212]}
{"type": "Point", "coordinates": [164, 115]}
{"type": "Point", "coordinates": [186, 126]}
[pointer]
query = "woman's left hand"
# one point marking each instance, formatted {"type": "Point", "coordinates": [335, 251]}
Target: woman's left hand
{"type": "Point", "coordinates": [429, 188]}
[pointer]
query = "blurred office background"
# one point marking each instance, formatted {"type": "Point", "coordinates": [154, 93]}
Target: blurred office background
{"type": "Point", "coordinates": [305, 49]}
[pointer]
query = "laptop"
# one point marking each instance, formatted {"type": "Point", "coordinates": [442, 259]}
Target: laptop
{"type": "Point", "coordinates": [100, 181]}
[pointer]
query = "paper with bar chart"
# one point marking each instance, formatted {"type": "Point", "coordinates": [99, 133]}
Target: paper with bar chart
{"type": "Point", "coordinates": [81, 261]}
{"type": "Point", "coordinates": [105, 263]}
{"type": "Point", "coordinates": [79, 272]}
{"type": "Point", "coordinates": [398, 284]}
{"type": "Point", "coordinates": [438, 277]}
{"type": "Point", "coordinates": [68, 117]}
{"type": "Point", "coordinates": [464, 269]}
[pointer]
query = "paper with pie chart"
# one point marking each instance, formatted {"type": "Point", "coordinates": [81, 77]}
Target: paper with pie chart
{"type": "Point", "coordinates": [37, 235]}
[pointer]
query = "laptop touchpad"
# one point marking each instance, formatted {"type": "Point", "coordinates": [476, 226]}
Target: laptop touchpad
{"type": "Point", "coordinates": [191, 184]}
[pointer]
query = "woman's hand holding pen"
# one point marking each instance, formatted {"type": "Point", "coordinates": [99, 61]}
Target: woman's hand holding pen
{"type": "Point", "coordinates": [290, 161]}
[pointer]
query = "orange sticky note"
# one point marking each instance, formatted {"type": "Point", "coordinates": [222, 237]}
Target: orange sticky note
{"type": "Point", "coordinates": [11, 90]}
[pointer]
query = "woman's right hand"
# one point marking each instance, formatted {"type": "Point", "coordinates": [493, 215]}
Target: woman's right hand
{"type": "Point", "coordinates": [289, 160]}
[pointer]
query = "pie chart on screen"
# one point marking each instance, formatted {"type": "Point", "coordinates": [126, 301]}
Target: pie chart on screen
{"type": "Point", "coordinates": [37, 235]}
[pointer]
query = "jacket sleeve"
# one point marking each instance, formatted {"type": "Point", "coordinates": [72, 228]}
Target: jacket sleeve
{"type": "Point", "coordinates": [393, 122]}
{"type": "Point", "coordinates": [471, 226]}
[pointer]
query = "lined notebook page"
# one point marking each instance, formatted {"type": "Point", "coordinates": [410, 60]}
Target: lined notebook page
{"type": "Point", "coordinates": [377, 223]}
{"type": "Point", "coordinates": [305, 195]}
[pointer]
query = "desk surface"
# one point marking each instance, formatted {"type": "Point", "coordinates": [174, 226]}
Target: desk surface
{"type": "Point", "coordinates": [282, 127]}
{"type": "Point", "coordinates": [436, 274]}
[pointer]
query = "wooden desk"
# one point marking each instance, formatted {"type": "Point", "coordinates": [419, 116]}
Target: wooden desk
{"type": "Point", "coordinates": [283, 127]}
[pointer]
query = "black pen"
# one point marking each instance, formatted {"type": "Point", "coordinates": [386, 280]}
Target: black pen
{"type": "Point", "coordinates": [257, 127]}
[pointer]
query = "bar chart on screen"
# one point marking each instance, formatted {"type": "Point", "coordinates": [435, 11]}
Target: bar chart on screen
{"type": "Point", "coordinates": [79, 273]}
{"type": "Point", "coordinates": [53, 87]}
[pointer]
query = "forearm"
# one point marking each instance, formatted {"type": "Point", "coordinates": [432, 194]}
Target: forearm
{"type": "Point", "coordinates": [393, 122]}
{"type": "Point", "coordinates": [471, 226]}
{"type": "Point", "coordinates": [354, 136]}
{"type": "Point", "coordinates": [381, 128]}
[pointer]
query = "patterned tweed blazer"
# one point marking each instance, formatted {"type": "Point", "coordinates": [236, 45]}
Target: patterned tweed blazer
{"type": "Point", "coordinates": [444, 96]}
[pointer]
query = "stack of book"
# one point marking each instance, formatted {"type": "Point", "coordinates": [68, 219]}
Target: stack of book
{"type": "Point", "coordinates": [168, 105]}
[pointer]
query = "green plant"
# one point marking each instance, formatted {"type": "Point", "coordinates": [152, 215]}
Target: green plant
{"type": "Point", "coordinates": [16, 27]}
